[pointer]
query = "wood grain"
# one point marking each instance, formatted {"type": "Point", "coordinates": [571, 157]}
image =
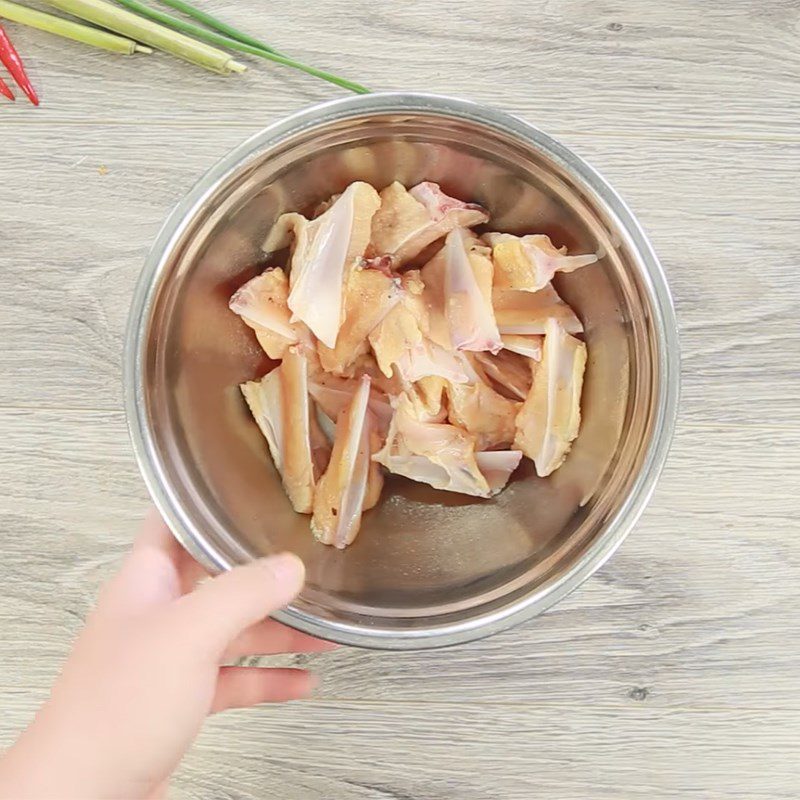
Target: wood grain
{"type": "Point", "coordinates": [684, 67]}
{"type": "Point", "coordinates": [673, 672]}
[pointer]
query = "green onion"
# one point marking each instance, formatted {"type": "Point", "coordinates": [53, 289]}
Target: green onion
{"type": "Point", "coordinates": [109, 16]}
{"type": "Point", "coordinates": [218, 25]}
{"type": "Point", "coordinates": [233, 39]}
{"type": "Point", "coordinates": [259, 50]}
{"type": "Point", "coordinates": [69, 30]}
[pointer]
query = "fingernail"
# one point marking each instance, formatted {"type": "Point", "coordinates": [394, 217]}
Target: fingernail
{"type": "Point", "coordinates": [286, 568]}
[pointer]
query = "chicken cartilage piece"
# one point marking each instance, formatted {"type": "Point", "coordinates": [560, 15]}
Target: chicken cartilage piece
{"type": "Point", "coordinates": [448, 448]}
{"type": "Point", "coordinates": [408, 221]}
{"type": "Point", "coordinates": [332, 395]}
{"type": "Point", "coordinates": [352, 482]}
{"type": "Point", "coordinates": [325, 252]}
{"type": "Point", "coordinates": [527, 313]}
{"type": "Point", "coordinates": [528, 263]}
{"type": "Point", "coordinates": [281, 407]}
{"type": "Point", "coordinates": [458, 295]}
{"type": "Point", "coordinates": [497, 466]}
{"type": "Point", "coordinates": [549, 420]}
{"type": "Point", "coordinates": [508, 373]}
{"type": "Point", "coordinates": [369, 297]}
{"type": "Point", "coordinates": [528, 346]}
{"type": "Point", "coordinates": [261, 303]}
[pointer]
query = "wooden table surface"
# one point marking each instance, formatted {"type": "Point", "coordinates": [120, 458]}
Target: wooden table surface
{"type": "Point", "coordinates": [673, 673]}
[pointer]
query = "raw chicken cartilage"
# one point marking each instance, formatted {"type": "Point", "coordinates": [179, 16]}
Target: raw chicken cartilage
{"type": "Point", "coordinates": [447, 446]}
{"type": "Point", "coordinates": [326, 250]}
{"type": "Point", "coordinates": [303, 439]}
{"type": "Point", "coordinates": [482, 474]}
{"type": "Point", "coordinates": [352, 481]}
{"type": "Point", "coordinates": [484, 413]}
{"type": "Point", "coordinates": [528, 263]}
{"type": "Point", "coordinates": [280, 405]}
{"type": "Point", "coordinates": [528, 346]}
{"type": "Point", "coordinates": [447, 477]}
{"type": "Point", "coordinates": [332, 395]}
{"type": "Point", "coordinates": [428, 359]}
{"type": "Point", "coordinates": [510, 373]}
{"type": "Point", "coordinates": [458, 294]}
{"type": "Point", "coordinates": [265, 401]}
{"type": "Point", "coordinates": [369, 297]}
{"type": "Point", "coordinates": [439, 205]}
{"type": "Point", "coordinates": [527, 313]}
{"type": "Point", "coordinates": [497, 466]}
{"type": "Point", "coordinates": [549, 420]}
{"type": "Point", "coordinates": [401, 340]}
{"type": "Point", "coordinates": [408, 221]}
{"type": "Point", "coordinates": [261, 303]}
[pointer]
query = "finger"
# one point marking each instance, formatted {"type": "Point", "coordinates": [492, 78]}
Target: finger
{"type": "Point", "coordinates": [156, 535]}
{"type": "Point", "coordinates": [148, 575]}
{"type": "Point", "coordinates": [221, 608]}
{"type": "Point", "coordinates": [240, 687]}
{"type": "Point", "coordinates": [269, 637]}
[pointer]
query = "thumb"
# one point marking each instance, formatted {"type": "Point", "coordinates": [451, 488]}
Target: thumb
{"type": "Point", "coordinates": [222, 607]}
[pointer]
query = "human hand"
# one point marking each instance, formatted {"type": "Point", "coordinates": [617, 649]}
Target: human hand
{"type": "Point", "coordinates": [145, 672]}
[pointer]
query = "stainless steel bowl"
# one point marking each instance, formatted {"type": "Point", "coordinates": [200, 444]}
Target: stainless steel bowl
{"type": "Point", "coordinates": [429, 568]}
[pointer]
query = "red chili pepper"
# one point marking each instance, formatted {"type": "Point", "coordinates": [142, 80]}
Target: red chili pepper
{"type": "Point", "coordinates": [6, 91]}
{"type": "Point", "coordinates": [13, 63]}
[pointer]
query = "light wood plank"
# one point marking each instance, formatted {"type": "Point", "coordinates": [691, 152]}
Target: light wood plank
{"type": "Point", "coordinates": [697, 69]}
{"type": "Point", "coordinates": [439, 751]}
{"type": "Point", "coordinates": [671, 673]}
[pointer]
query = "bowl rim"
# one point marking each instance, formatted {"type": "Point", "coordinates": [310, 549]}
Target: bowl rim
{"type": "Point", "coordinates": [664, 321]}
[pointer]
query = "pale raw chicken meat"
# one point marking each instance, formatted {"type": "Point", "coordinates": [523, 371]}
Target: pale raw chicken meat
{"type": "Point", "coordinates": [369, 297]}
{"type": "Point", "coordinates": [430, 391]}
{"type": "Point", "coordinates": [528, 263]}
{"type": "Point", "coordinates": [428, 397]}
{"type": "Point", "coordinates": [458, 295]}
{"type": "Point", "coordinates": [509, 373]}
{"type": "Point", "coordinates": [261, 303]}
{"type": "Point", "coordinates": [529, 346]}
{"type": "Point", "coordinates": [368, 365]}
{"type": "Point", "coordinates": [483, 412]}
{"type": "Point", "coordinates": [431, 452]}
{"type": "Point", "coordinates": [401, 339]}
{"type": "Point", "coordinates": [281, 407]}
{"type": "Point", "coordinates": [447, 375]}
{"type": "Point", "coordinates": [325, 252]}
{"type": "Point", "coordinates": [549, 420]}
{"type": "Point", "coordinates": [527, 313]}
{"type": "Point", "coordinates": [353, 481]}
{"type": "Point", "coordinates": [408, 221]}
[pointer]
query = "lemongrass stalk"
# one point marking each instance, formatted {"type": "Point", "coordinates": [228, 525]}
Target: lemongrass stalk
{"type": "Point", "coordinates": [233, 44]}
{"type": "Point", "coordinates": [69, 29]}
{"type": "Point", "coordinates": [218, 25]}
{"type": "Point", "coordinates": [124, 22]}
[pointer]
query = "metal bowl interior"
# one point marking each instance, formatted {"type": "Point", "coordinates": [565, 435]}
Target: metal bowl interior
{"type": "Point", "coordinates": [428, 568]}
